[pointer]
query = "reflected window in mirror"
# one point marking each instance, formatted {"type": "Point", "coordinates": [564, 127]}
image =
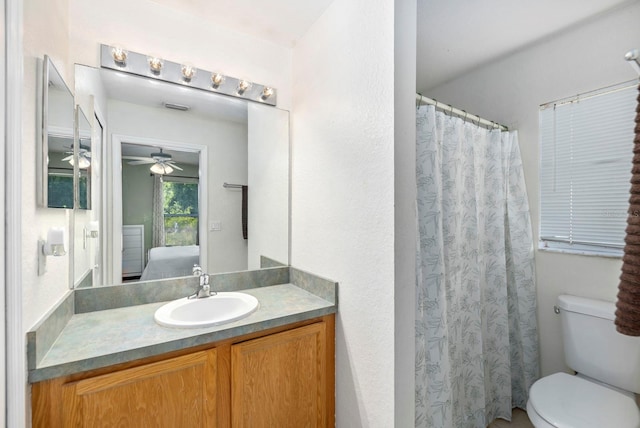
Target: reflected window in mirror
{"type": "Point", "coordinates": [180, 210]}
{"type": "Point", "coordinates": [60, 188]}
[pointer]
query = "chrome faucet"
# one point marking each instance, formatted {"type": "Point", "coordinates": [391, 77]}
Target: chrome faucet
{"type": "Point", "coordinates": [204, 289]}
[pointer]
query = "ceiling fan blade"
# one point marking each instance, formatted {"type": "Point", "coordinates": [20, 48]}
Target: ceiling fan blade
{"type": "Point", "coordinates": [67, 158]}
{"type": "Point", "coordinates": [141, 162]}
{"type": "Point", "coordinates": [137, 158]}
{"type": "Point", "coordinates": [173, 165]}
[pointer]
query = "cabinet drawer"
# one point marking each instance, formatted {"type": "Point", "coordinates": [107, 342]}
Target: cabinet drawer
{"type": "Point", "coordinates": [132, 241]}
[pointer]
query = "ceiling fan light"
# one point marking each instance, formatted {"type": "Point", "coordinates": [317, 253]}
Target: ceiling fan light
{"type": "Point", "coordinates": [161, 168]}
{"type": "Point", "coordinates": [83, 162]}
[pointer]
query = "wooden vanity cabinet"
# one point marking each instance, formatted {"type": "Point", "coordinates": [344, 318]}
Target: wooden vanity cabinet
{"type": "Point", "coordinates": [280, 380]}
{"type": "Point", "coordinates": [282, 377]}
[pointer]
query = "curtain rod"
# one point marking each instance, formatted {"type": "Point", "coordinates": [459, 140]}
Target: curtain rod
{"type": "Point", "coordinates": [421, 99]}
{"type": "Point", "coordinates": [591, 94]}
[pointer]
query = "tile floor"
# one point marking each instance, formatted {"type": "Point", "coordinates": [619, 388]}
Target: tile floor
{"type": "Point", "coordinates": [519, 419]}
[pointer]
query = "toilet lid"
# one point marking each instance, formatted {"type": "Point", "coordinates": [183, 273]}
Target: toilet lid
{"type": "Point", "coordinates": [567, 401]}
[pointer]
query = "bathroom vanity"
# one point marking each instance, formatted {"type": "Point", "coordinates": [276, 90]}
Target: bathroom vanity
{"type": "Point", "coordinates": [117, 367]}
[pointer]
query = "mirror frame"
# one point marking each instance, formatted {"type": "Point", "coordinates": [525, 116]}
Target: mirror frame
{"type": "Point", "coordinates": [42, 170]}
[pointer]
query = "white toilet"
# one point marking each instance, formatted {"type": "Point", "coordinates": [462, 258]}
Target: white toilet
{"type": "Point", "coordinates": [601, 395]}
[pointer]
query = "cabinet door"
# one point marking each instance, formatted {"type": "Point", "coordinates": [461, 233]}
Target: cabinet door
{"type": "Point", "coordinates": [179, 392]}
{"type": "Point", "coordinates": [280, 380]}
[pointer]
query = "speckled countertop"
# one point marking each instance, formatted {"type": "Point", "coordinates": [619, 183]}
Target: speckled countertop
{"type": "Point", "coordinates": [102, 338]}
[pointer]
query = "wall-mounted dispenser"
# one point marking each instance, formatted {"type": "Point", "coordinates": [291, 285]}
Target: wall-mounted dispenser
{"type": "Point", "coordinates": [53, 246]}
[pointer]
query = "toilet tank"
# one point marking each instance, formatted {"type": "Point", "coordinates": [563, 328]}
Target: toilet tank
{"type": "Point", "coordinates": [594, 348]}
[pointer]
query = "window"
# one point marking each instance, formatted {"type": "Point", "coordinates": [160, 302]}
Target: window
{"type": "Point", "coordinates": [60, 188]}
{"type": "Point", "coordinates": [180, 211]}
{"type": "Point", "coordinates": [586, 147]}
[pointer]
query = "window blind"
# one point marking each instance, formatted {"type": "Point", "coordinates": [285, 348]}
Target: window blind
{"type": "Point", "coordinates": [586, 147]}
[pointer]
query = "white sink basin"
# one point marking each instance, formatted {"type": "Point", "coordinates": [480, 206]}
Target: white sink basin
{"type": "Point", "coordinates": [193, 313]}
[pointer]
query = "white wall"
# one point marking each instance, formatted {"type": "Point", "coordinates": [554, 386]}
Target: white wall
{"type": "Point", "coordinates": [268, 180]}
{"type": "Point", "coordinates": [343, 197]}
{"type": "Point", "coordinates": [148, 27]}
{"type": "Point", "coordinates": [509, 91]}
{"type": "Point", "coordinates": [44, 32]}
{"type": "Point", "coordinates": [45, 24]}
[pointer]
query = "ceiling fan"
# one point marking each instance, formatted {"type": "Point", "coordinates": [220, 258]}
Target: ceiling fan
{"type": "Point", "coordinates": [84, 156]}
{"type": "Point", "coordinates": [162, 162]}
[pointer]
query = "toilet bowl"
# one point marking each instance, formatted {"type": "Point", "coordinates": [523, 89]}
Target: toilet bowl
{"type": "Point", "coordinates": [608, 363]}
{"type": "Point", "coordinates": [565, 401]}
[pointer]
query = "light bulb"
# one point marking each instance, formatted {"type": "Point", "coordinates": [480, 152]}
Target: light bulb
{"type": "Point", "coordinates": [216, 80]}
{"type": "Point", "coordinates": [119, 55]}
{"type": "Point", "coordinates": [243, 86]}
{"type": "Point", "coordinates": [188, 72]}
{"type": "Point", "coordinates": [161, 168]}
{"type": "Point", "coordinates": [266, 93]}
{"type": "Point", "coordinates": [83, 162]}
{"type": "Point", "coordinates": [155, 64]}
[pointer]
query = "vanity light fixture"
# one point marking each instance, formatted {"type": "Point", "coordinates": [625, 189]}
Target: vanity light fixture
{"type": "Point", "coordinates": [146, 65]}
{"type": "Point", "coordinates": [119, 55]}
{"type": "Point", "coordinates": [161, 168]}
{"type": "Point", "coordinates": [188, 72]}
{"type": "Point", "coordinates": [243, 86]}
{"type": "Point", "coordinates": [155, 64]}
{"type": "Point", "coordinates": [216, 80]}
{"type": "Point", "coordinates": [266, 93]}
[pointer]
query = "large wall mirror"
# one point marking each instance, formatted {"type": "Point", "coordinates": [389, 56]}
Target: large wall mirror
{"type": "Point", "coordinates": [55, 183]}
{"type": "Point", "coordinates": [187, 177]}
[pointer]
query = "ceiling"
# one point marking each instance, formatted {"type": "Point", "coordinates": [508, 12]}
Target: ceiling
{"type": "Point", "coordinates": [458, 36]}
{"type": "Point", "coordinates": [454, 36]}
{"type": "Point", "coordinates": [179, 156]}
{"type": "Point", "coordinates": [280, 21]}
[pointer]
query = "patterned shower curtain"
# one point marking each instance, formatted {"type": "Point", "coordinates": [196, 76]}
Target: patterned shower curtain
{"type": "Point", "coordinates": [476, 334]}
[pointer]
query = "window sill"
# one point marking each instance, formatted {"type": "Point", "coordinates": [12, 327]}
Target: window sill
{"type": "Point", "coordinates": [580, 252]}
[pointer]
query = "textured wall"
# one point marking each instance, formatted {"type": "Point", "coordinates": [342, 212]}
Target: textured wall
{"type": "Point", "coordinates": [343, 200]}
{"type": "Point", "coordinates": [510, 91]}
{"type": "Point", "coordinates": [45, 32]}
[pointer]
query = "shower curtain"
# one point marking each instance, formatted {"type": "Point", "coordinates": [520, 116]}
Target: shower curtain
{"type": "Point", "coordinates": [476, 334]}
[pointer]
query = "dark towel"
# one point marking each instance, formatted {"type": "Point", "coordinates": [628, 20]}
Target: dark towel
{"type": "Point", "coordinates": [245, 208]}
{"type": "Point", "coordinates": [628, 304]}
